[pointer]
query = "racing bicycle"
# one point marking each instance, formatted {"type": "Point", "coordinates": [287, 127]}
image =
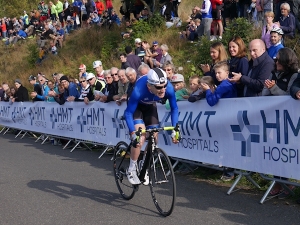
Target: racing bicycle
{"type": "Point", "coordinates": [155, 163]}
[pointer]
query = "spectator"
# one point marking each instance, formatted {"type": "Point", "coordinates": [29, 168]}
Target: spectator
{"type": "Point", "coordinates": [260, 68]}
{"type": "Point", "coordinates": [287, 21]}
{"type": "Point", "coordinates": [217, 6]}
{"type": "Point", "coordinates": [139, 50]}
{"type": "Point", "coordinates": [122, 87]}
{"type": "Point", "coordinates": [60, 35]}
{"type": "Point", "coordinates": [153, 55]}
{"type": "Point", "coordinates": [109, 6]}
{"type": "Point", "coordinates": [276, 36]}
{"type": "Point", "coordinates": [53, 11]}
{"type": "Point", "coordinates": [82, 70]}
{"type": "Point", "coordinates": [43, 9]}
{"type": "Point", "coordinates": [96, 87]}
{"type": "Point", "coordinates": [114, 73]}
{"type": "Point", "coordinates": [266, 30]}
{"type": "Point", "coordinates": [21, 93]}
{"type": "Point", "coordinates": [53, 48]}
{"type": "Point", "coordinates": [124, 63]}
{"type": "Point", "coordinates": [59, 97]}
{"type": "Point", "coordinates": [225, 89]}
{"type": "Point", "coordinates": [195, 87]}
{"type": "Point", "coordinates": [69, 24]}
{"type": "Point", "coordinates": [6, 89]}
{"type": "Point", "coordinates": [52, 87]}
{"type": "Point", "coordinates": [169, 67]}
{"type": "Point", "coordinates": [165, 55]}
{"type": "Point", "coordinates": [99, 7]}
{"type": "Point", "coordinates": [36, 89]}
{"type": "Point", "coordinates": [128, 28]}
{"type": "Point", "coordinates": [133, 60]}
{"type": "Point", "coordinates": [98, 67]}
{"type": "Point", "coordinates": [84, 90]}
{"type": "Point", "coordinates": [238, 62]}
{"type": "Point", "coordinates": [44, 90]}
{"type": "Point", "coordinates": [46, 35]}
{"type": "Point", "coordinates": [131, 75]}
{"type": "Point", "coordinates": [3, 29]}
{"type": "Point", "coordinates": [217, 54]}
{"type": "Point", "coordinates": [114, 18]}
{"type": "Point", "coordinates": [111, 87]}
{"type": "Point", "coordinates": [205, 26]}
{"type": "Point", "coordinates": [181, 93]}
{"type": "Point", "coordinates": [195, 14]}
{"type": "Point", "coordinates": [295, 88]}
{"type": "Point", "coordinates": [280, 82]}
{"type": "Point", "coordinates": [42, 54]}
{"type": "Point", "coordinates": [70, 89]}
{"type": "Point", "coordinates": [143, 69]}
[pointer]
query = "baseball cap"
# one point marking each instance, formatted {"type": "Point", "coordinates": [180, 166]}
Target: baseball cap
{"type": "Point", "coordinates": [277, 30]}
{"type": "Point", "coordinates": [82, 66]}
{"type": "Point", "coordinates": [177, 78]}
{"type": "Point", "coordinates": [155, 43]}
{"type": "Point", "coordinates": [138, 40]}
{"type": "Point", "coordinates": [90, 76]}
{"type": "Point", "coordinates": [157, 76]}
{"type": "Point", "coordinates": [31, 77]}
{"type": "Point", "coordinates": [97, 63]}
{"type": "Point", "coordinates": [18, 81]}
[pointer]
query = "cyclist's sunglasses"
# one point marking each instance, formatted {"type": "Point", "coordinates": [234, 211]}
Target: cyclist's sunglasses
{"type": "Point", "coordinates": [160, 87]}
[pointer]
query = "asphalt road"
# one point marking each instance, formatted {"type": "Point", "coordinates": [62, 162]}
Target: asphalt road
{"type": "Point", "coordinates": [44, 184]}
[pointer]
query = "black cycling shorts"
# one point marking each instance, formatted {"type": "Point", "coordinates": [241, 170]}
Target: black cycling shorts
{"type": "Point", "coordinates": [146, 114]}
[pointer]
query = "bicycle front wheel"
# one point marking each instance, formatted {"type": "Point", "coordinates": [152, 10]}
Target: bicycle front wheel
{"type": "Point", "coordinates": [162, 182]}
{"type": "Point", "coordinates": [121, 160]}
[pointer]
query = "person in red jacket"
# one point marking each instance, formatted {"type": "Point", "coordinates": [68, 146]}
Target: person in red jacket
{"type": "Point", "coordinates": [217, 24]}
{"type": "Point", "coordinates": [100, 7]}
{"type": "Point", "coordinates": [109, 6]}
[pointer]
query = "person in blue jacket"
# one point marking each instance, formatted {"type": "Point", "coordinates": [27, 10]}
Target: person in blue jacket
{"type": "Point", "coordinates": [275, 38]}
{"type": "Point", "coordinates": [224, 90]}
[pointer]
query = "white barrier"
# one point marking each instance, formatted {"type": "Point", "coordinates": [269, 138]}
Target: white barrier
{"type": "Point", "coordinates": [255, 134]}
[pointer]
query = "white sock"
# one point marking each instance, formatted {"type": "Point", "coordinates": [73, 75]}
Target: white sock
{"type": "Point", "coordinates": [132, 165]}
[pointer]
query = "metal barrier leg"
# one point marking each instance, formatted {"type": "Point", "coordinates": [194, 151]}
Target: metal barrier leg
{"type": "Point", "coordinates": [86, 146]}
{"type": "Point", "coordinates": [75, 146]}
{"type": "Point", "coordinates": [24, 134]}
{"type": "Point", "coordinates": [107, 147]}
{"type": "Point", "coordinates": [2, 129]}
{"type": "Point", "coordinates": [6, 130]}
{"type": "Point", "coordinates": [252, 181]}
{"type": "Point", "coordinates": [47, 137]}
{"type": "Point", "coordinates": [237, 180]}
{"type": "Point", "coordinates": [66, 145]}
{"type": "Point", "coordinates": [264, 198]}
{"type": "Point", "coordinates": [18, 133]}
{"type": "Point", "coordinates": [175, 164]}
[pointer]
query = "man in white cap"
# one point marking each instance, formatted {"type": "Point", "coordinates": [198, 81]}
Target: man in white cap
{"type": "Point", "coordinates": [275, 38]}
{"type": "Point", "coordinates": [97, 65]}
{"type": "Point", "coordinates": [96, 88]}
{"type": "Point", "coordinates": [139, 50]}
{"type": "Point", "coordinates": [141, 112]}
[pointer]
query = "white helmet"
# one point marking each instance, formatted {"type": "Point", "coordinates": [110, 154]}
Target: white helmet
{"type": "Point", "coordinates": [277, 30]}
{"type": "Point", "coordinates": [157, 76]}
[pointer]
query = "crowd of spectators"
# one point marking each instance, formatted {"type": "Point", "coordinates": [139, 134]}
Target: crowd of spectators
{"type": "Point", "coordinates": [210, 19]}
{"type": "Point", "coordinates": [270, 70]}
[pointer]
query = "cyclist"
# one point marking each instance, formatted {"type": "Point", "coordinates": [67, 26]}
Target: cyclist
{"type": "Point", "coordinates": [141, 112]}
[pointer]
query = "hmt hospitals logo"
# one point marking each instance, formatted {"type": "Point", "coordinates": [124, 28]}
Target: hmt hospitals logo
{"type": "Point", "coordinates": [118, 122]}
{"type": "Point", "coordinates": [245, 133]}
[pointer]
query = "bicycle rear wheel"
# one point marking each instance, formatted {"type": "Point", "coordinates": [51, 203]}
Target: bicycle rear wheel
{"type": "Point", "coordinates": [162, 182]}
{"type": "Point", "coordinates": [121, 160]}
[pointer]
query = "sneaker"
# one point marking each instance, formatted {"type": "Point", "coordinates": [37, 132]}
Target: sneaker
{"type": "Point", "coordinates": [146, 178]}
{"type": "Point", "coordinates": [220, 37]}
{"type": "Point", "coordinates": [132, 177]}
{"type": "Point", "coordinates": [227, 178]}
{"type": "Point", "coordinates": [213, 38]}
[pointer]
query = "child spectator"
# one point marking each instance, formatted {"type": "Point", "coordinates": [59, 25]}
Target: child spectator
{"type": "Point", "coordinates": [42, 53]}
{"type": "Point", "coordinates": [181, 92]}
{"type": "Point", "coordinates": [197, 92]}
{"type": "Point", "coordinates": [224, 90]}
{"type": "Point", "coordinates": [53, 48]}
{"type": "Point", "coordinates": [217, 53]}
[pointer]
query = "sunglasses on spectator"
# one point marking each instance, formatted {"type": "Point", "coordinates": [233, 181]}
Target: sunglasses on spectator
{"type": "Point", "coordinates": [168, 69]}
{"type": "Point", "coordinates": [89, 79]}
{"type": "Point", "coordinates": [114, 74]}
{"type": "Point", "coordinates": [82, 81]}
{"type": "Point", "coordinates": [160, 87]}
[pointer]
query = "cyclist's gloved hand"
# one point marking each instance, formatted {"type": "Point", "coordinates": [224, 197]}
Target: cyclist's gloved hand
{"type": "Point", "coordinates": [175, 136]}
{"type": "Point", "coordinates": [135, 138]}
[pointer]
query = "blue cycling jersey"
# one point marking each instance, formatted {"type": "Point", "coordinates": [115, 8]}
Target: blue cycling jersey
{"type": "Point", "coordinates": [142, 95]}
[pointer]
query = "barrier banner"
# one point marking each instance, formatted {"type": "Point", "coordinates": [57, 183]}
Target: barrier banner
{"type": "Point", "coordinates": [257, 134]}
